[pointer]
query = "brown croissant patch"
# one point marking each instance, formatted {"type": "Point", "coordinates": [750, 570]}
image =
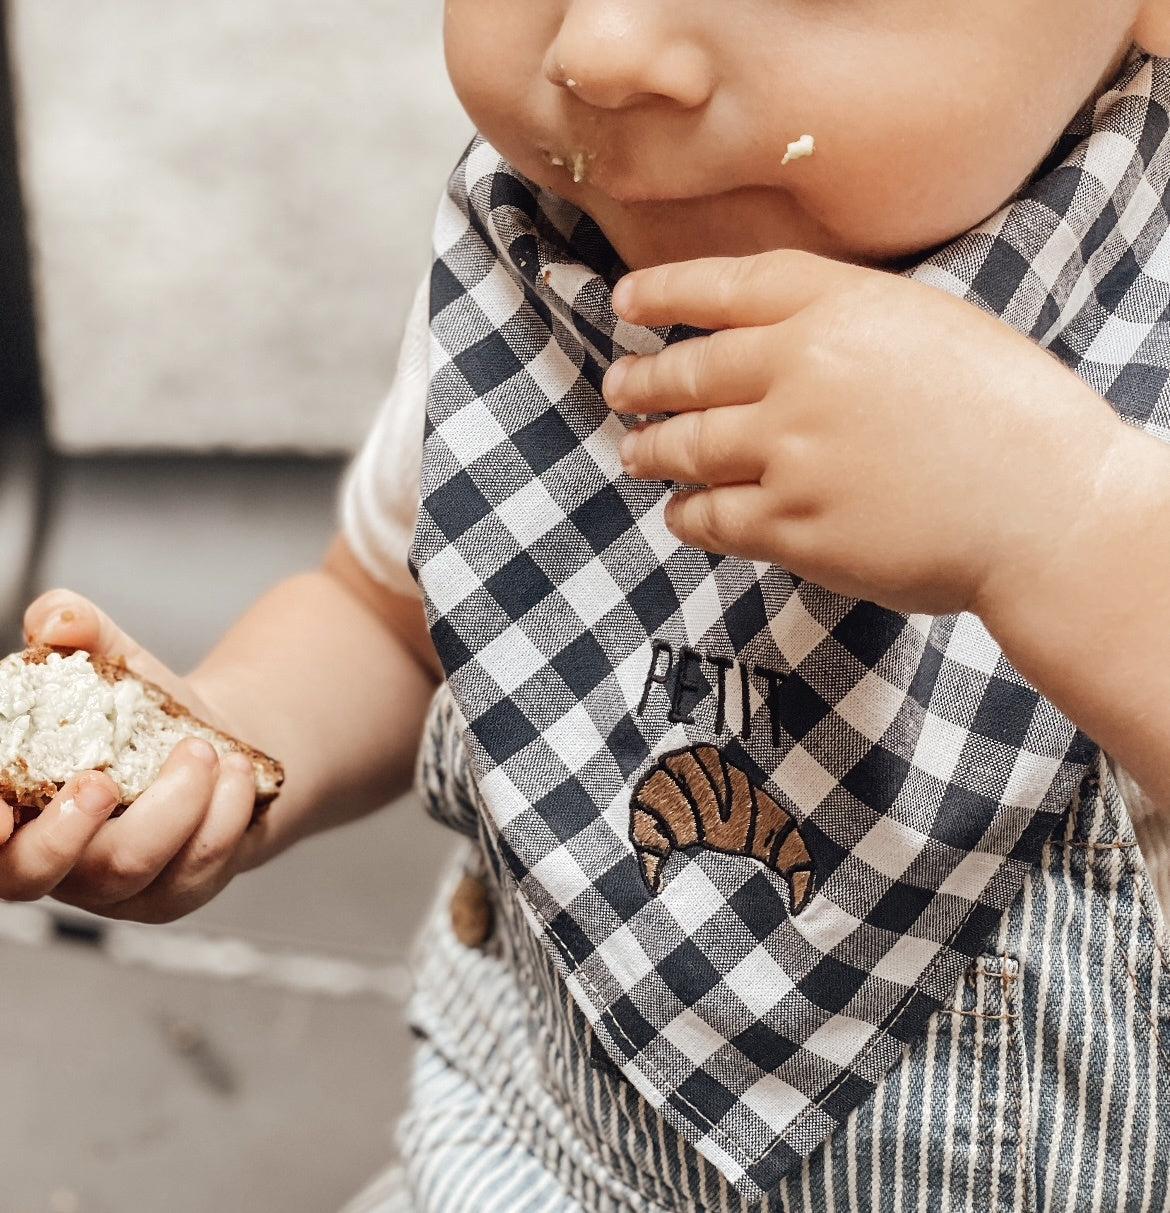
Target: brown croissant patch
{"type": "Point", "coordinates": [696, 798]}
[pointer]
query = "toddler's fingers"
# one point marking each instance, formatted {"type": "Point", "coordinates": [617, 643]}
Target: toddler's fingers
{"type": "Point", "coordinates": [727, 292]}
{"type": "Point", "coordinates": [213, 845]}
{"type": "Point", "coordinates": [41, 854]}
{"type": "Point", "coordinates": [207, 860]}
{"type": "Point", "coordinates": [725, 519]}
{"type": "Point", "coordinates": [732, 366]}
{"type": "Point", "coordinates": [125, 857]}
{"type": "Point", "coordinates": [717, 446]}
{"type": "Point", "coordinates": [63, 617]}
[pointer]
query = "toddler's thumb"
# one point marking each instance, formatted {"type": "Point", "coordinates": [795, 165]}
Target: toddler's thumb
{"type": "Point", "coordinates": [62, 617]}
{"type": "Point", "coordinates": [65, 618]}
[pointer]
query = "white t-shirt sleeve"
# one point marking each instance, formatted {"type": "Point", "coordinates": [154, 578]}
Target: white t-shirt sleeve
{"type": "Point", "coordinates": [380, 493]}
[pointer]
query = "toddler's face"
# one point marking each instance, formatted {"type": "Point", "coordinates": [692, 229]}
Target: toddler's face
{"type": "Point", "coordinates": [667, 120]}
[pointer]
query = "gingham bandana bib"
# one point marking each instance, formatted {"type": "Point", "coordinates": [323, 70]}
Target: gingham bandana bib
{"type": "Point", "coordinates": [762, 828]}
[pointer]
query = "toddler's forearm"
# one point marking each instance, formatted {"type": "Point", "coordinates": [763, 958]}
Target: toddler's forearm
{"type": "Point", "coordinates": [1090, 627]}
{"type": "Point", "coordinates": [328, 672]}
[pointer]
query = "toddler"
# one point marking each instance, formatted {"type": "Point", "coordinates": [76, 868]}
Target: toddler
{"type": "Point", "coordinates": [794, 879]}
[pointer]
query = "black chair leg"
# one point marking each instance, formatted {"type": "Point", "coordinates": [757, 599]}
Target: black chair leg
{"type": "Point", "coordinates": [23, 444]}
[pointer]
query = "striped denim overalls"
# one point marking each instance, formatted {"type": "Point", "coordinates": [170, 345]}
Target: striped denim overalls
{"type": "Point", "coordinates": [1037, 1088]}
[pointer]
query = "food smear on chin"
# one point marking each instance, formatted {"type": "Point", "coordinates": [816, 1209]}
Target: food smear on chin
{"type": "Point", "coordinates": [577, 164]}
{"type": "Point", "coordinates": [799, 148]}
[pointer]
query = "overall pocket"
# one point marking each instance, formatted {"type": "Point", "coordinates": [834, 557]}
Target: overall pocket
{"type": "Point", "coordinates": [981, 1038]}
{"type": "Point", "coordinates": [948, 1128]}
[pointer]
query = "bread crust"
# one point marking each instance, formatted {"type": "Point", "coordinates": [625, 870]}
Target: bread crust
{"type": "Point", "coordinates": [29, 797]}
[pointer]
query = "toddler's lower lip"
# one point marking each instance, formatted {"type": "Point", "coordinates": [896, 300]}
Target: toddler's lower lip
{"type": "Point", "coordinates": [584, 167]}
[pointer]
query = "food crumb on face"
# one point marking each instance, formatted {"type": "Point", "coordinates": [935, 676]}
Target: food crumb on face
{"type": "Point", "coordinates": [580, 165]}
{"type": "Point", "coordinates": [577, 165]}
{"type": "Point", "coordinates": [799, 148]}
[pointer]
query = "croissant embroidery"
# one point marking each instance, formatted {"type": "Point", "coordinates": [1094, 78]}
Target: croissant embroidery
{"type": "Point", "coordinates": [696, 798]}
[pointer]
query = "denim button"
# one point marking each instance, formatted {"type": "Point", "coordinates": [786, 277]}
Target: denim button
{"type": "Point", "coordinates": [472, 916]}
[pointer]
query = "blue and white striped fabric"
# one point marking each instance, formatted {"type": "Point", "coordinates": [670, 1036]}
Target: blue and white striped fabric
{"type": "Point", "coordinates": [1041, 1084]}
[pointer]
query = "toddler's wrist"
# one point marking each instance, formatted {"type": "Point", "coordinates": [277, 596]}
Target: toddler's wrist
{"type": "Point", "coordinates": [1096, 518]}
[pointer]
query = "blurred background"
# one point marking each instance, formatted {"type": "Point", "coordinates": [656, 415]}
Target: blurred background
{"type": "Point", "coordinates": [212, 219]}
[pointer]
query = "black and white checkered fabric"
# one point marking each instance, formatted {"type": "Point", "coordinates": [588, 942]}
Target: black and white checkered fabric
{"type": "Point", "coordinates": [582, 643]}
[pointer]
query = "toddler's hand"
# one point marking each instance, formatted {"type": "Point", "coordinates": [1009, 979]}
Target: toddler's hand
{"type": "Point", "coordinates": [868, 432]}
{"type": "Point", "coordinates": [176, 846]}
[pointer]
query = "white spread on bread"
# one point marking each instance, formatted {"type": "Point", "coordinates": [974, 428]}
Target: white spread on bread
{"type": "Point", "coordinates": [59, 716]}
{"type": "Point", "coordinates": [799, 148]}
{"type": "Point", "coordinates": [61, 712]}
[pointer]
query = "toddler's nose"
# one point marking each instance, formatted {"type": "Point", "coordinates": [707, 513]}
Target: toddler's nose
{"type": "Point", "coordinates": [614, 53]}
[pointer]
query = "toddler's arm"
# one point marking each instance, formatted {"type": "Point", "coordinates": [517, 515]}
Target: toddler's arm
{"type": "Point", "coordinates": [336, 671]}
{"type": "Point", "coordinates": [330, 672]}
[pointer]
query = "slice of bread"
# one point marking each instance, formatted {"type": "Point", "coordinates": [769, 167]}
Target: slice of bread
{"type": "Point", "coordinates": [64, 711]}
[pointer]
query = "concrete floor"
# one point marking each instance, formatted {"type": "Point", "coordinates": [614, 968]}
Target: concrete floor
{"type": "Point", "coordinates": [229, 1083]}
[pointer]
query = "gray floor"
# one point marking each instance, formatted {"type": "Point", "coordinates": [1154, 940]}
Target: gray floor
{"type": "Point", "coordinates": [251, 1057]}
